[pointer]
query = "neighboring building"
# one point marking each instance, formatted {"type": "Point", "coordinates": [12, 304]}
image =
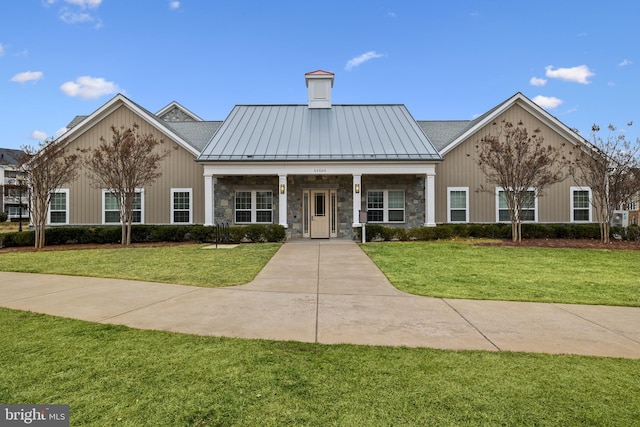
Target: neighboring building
{"type": "Point", "coordinates": [15, 197]}
{"type": "Point", "coordinates": [314, 167]}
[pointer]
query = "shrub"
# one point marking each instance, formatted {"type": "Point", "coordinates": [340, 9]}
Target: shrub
{"type": "Point", "coordinates": [4, 216]}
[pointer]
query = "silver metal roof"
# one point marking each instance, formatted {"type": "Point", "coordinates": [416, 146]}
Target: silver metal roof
{"type": "Point", "coordinates": [342, 132]}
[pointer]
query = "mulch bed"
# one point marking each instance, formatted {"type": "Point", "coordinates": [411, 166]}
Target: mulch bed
{"type": "Point", "coordinates": [569, 243]}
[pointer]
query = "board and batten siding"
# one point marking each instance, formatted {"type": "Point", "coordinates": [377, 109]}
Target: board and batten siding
{"type": "Point", "coordinates": [179, 170]}
{"type": "Point", "coordinates": [460, 169]}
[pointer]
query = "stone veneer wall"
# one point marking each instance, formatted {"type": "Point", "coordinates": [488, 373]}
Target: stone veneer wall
{"type": "Point", "coordinates": [225, 194]}
{"type": "Point", "coordinates": [341, 183]}
{"type": "Point", "coordinates": [414, 201]}
{"type": "Point", "coordinates": [413, 186]}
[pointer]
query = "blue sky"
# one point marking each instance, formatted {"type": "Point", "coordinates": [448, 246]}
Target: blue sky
{"type": "Point", "coordinates": [445, 60]}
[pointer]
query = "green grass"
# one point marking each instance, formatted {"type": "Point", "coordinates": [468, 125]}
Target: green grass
{"type": "Point", "coordinates": [114, 375]}
{"type": "Point", "coordinates": [184, 264]}
{"type": "Point", "coordinates": [458, 270]}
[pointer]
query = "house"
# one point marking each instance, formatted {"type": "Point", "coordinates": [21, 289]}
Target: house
{"type": "Point", "coordinates": [14, 200]}
{"type": "Point", "coordinates": [318, 169]}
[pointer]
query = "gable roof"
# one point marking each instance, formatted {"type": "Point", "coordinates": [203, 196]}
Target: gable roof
{"type": "Point", "coordinates": [450, 134]}
{"type": "Point", "coordinates": [173, 105]}
{"type": "Point", "coordinates": [85, 123]}
{"type": "Point", "coordinates": [342, 132]}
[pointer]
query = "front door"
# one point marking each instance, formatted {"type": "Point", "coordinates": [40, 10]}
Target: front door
{"type": "Point", "coordinates": [319, 214]}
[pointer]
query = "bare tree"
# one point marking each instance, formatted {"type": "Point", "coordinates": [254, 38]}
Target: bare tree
{"type": "Point", "coordinates": [522, 165]}
{"type": "Point", "coordinates": [608, 166]}
{"type": "Point", "coordinates": [127, 162]}
{"type": "Point", "coordinates": [46, 168]}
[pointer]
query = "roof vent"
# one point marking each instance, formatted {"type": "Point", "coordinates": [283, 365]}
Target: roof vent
{"type": "Point", "coordinates": [319, 83]}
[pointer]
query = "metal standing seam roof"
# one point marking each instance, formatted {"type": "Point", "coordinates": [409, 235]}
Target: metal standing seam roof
{"type": "Point", "coordinates": [342, 132]}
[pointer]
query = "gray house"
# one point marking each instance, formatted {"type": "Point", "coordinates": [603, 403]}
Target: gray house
{"type": "Point", "coordinates": [314, 167]}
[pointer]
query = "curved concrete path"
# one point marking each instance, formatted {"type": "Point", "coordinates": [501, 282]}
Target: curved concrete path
{"type": "Point", "coordinates": [330, 292]}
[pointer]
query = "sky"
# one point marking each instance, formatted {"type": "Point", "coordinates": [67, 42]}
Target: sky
{"type": "Point", "coordinates": [444, 60]}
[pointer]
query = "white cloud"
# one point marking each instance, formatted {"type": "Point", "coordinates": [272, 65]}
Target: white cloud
{"type": "Point", "coordinates": [547, 102]}
{"type": "Point", "coordinates": [87, 87]}
{"type": "Point", "coordinates": [27, 76]}
{"type": "Point", "coordinates": [85, 3]}
{"type": "Point", "coordinates": [536, 81]}
{"type": "Point", "coordinates": [61, 131]}
{"type": "Point", "coordinates": [38, 135]}
{"type": "Point", "coordinates": [174, 5]}
{"type": "Point", "coordinates": [391, 15]}
{"type": "Point", "coordinates": [579, 74]}
{"type": "Point", "coordinates": [70, 17]}
{"type": "Point", "coordinates": [358, 60]}
{"type": "Point", "coordinates": [625, 62]}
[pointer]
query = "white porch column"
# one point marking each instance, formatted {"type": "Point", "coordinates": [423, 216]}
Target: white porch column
{"type": "Point", "coordinates": [282, 200]}
{"type": "Point", "coordinates": [357, 191]}
{"type": "Point", "coordinates": [430, 199]}
{"type": "Point", "coordinates": [209, 199]}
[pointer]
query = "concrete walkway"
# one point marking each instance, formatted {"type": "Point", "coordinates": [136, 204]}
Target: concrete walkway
{"type": "Point", "coordinates": [330, 292]}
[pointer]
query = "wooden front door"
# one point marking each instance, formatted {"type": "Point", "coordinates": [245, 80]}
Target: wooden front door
{"type": "Point", "coordinates": [319, 214]}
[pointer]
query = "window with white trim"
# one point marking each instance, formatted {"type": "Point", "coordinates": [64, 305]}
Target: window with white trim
{"type": "Point", "coordinates": [254, 207]}
{"type": "Point", "coordinates": [59, 207]}
{"type": "Point", "coordinates": [111, 208]}
{"type": "Point", "coordinates": [458, 204]}
{"type": "Point", "coordinates": [385, 206]}
{"type": "Point", "coordinates": [580, 204]}
{"type": "Point", "coordinates": [529, 211]}
{"type": "Point", "coordinates": [181, 206]}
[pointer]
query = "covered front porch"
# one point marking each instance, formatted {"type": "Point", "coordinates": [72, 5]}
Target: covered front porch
{"type": "Point", "coordinates": [321, 200]}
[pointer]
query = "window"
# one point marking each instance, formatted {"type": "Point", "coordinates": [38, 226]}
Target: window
{"type": "Point", "coordinates": [385, 206]}
{"type": "Point", "coordinates": [458, 202]}
{"type": "Point", "coordinates": [529, 206]}
{"type": "Point", "coordinates": [254, 207]}
{"type": "Point", "coordinates": [580, 204]}
{"type": "Point", "coordinates": [111, 208]}
{"type": "Point", "coordinates": [58, 207]}
{"type": "Point", "coordinates": [181, 212]}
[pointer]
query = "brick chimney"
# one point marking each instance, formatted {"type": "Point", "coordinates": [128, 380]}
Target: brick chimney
{"type": "Point", "coordinates": [319, 83]}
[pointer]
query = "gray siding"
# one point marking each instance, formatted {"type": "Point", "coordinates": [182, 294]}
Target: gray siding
{"type": "Point", "coordinates": [179, 170]}
{"type": "Point", "coordinates": [459, 169]}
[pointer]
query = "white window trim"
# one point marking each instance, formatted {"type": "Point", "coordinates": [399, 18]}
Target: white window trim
{"type": "Point", "coordinates": [572, 189]}
{"type": "Point", "coordinates": [66, 192]}
{"type": "Point", "coordinates": [535, 205]}
{"type": "Point", "coordinates": [385, 205]}
{"type": "Point", "coordinates": [137, 190]}
{"type": "Point", "coordinates": [254, 209]}
{"type": "Point", "coordinates": [466, 190]}
{"type": "Point", "coordinates": [182, 190]}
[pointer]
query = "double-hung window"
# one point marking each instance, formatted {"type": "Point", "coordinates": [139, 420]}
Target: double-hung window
{"type": "Point", "coordinates": [111, 208]}
{"type": "Point", "coordinates": [59, 207]}
{"type": "Point", "coordinates": [181, 206]}
{"type": "Point", "coordinates": [385, 206]}
{"type": "Point", "coordinates": [529, 206]}
{"type": "Point", "coordinates": [458, 204]}
{"type": "Point", "coordinates": [580, 204]}
{"type": "Point", "coordinates": [254, 207]}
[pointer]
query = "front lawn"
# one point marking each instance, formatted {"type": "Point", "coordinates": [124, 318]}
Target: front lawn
{"type": "Point", "coordinates": [183, 264]}
{"type": "Point", "coordinates": [448, 269]}
{"type": "Point", "coordinates": [114, 375]}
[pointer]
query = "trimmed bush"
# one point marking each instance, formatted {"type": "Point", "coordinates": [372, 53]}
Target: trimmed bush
{"type": "Point", "coordinates": [145, 234]}
{"type": "Point", "coordinates": [4, 216]}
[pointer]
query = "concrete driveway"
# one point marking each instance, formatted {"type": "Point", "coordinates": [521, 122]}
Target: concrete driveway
{"type": "Point", "coordinates": [329, 291]}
